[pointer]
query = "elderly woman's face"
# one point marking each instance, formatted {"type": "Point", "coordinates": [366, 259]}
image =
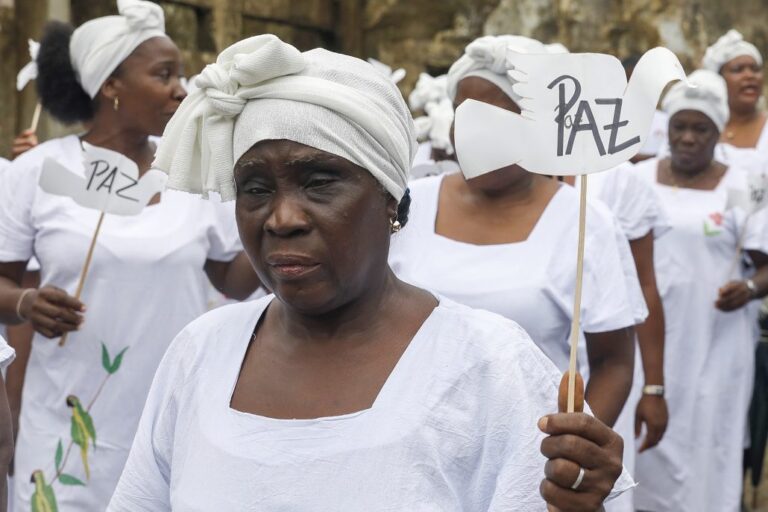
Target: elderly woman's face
{"type": "Point", "coordinates": [692, 140]}
{"type": "Point", "coordinates": [744, 78]}
{"type": "Point", "coordinates": [314, 225]}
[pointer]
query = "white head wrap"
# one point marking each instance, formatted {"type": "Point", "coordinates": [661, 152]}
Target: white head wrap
{"type": "Point", "coordinates": [428, 89]}
{"type": "Point", "coordinates": [28, 72]}
{"type": "Point", "coordinates": [264, 89]}
{"type": "Point", "coordinates": [430, 95]}
{"type": "Point", "coordinates": [99, 46]}
{"type": "Point", "coordinates": [486, 58]}
{"type": "Point", "coordinates": [707, 94]}
{"type": "Point", "coordinates": [728, 47]}
{"type": "Point", "coordinates": [396, 76]}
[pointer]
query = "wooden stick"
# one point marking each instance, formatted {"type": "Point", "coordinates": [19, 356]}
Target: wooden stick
{"type": "Point", "coordinates": [36, 117]}
{"type": "Point", "coordinates": [576, 322]}
{"type": "Point", "coordinates": [86, 266]}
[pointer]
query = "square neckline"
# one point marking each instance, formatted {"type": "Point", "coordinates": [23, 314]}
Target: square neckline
{"type": "Point", "coordinates": [405, 360]}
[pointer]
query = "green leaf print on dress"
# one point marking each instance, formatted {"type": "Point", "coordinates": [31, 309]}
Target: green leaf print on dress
{"type": "Point", "coordinates": [83, 435]}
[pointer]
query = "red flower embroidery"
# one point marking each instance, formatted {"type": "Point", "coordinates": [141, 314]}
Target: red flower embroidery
{"type": "Point", "coordinates": [717, 218]}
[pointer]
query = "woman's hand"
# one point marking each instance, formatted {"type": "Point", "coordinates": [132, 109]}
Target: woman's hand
{"type": "Point", "coordinates": [733, 295]}
{"type": "Point", "coordinates": [51, 311]}
{"type": "Point", "coordinates": [651, 410]}
{"type": "Point", "coordinates": [578, 441]}
{"type": "Point", "coordinates": [25, 141]}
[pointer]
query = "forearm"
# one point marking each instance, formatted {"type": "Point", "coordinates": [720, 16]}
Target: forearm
{"type": "Point", "coordinates": [10, 294]}
{"type": "Point", "coordinates": [608, 389]}
{"type": "Point", "coordinates": [650, 338]}
{"type": "Point", "coordinates": [235, 279]}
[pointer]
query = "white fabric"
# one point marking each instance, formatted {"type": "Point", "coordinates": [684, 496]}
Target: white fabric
{"type": "Point", "coordinates": [7, 354]}
{"type": "Point", "coordinates": [486, 57]}
{"type": "Point", "coordinates": [530, 282]}
{"type": "Point", "coordinates": [4, 164]}
{"type": "Point", "coordinates": [396, 75]}
{"type": "Point", "coordinates": [440, 117]}
{"type": "Point", "coordinates": [657, 136]}
{"type": "Point", "coordinates": [428, 89]}
{"type": "Point", "coordinates": [709, 355]}
{"type": "Point", "coordinates": [100, 45]}
{"type": "Point", "coordinates": [453, 428]}
{"type": "Point", "coordinates": [29, 71]}
{"type": "Point", "coordinates": [705, 92]}
{"type": "Point", "coordinates": [260, 89]}
{"type": "Point", "coordinates": [728, 47]}
{"type": "Point", "coordinates": [146, 281]}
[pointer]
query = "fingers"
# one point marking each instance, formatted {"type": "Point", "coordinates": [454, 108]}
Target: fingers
{"type": "Point", "coordinates": [652, 437]}
{"type": "Point", "coordinates": [567, 500]}
{"type": "Point", "coordinates": [54, 312]}
{"type": "Point", "coordinates": [577, 424]}
{"type": "Point", "coordinates": [638, 422]}
{"type": "Point", "coordinates": [564, 473]}
{"type": "Point", "coordinates": [61, 298]}
{"type": "Point", "coordinates": [573, 448]}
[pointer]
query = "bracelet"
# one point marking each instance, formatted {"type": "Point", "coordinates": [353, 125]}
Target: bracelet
{"type": "Point", "coordinates": [21, 299]}
{"type": "Point", "coordinates": [653, 390]}
{"type": "Point", "coordinates": [752, 287]}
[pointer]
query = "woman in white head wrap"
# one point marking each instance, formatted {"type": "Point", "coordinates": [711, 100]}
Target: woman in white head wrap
{"type": "Point", "coordinates": [348, 389]}
{"type": "Point", "coordinates": [709, 348]}
{"type": "Point", "coordinates": [741, 65]}
{"type": "Point", "coordinates": [81, 402]}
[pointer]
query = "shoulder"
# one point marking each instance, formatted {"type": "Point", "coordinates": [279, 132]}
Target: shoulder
{"type": "Point", "coordinates": [30, 163]}
{"type": "Point", "coordinates": [646, 170]}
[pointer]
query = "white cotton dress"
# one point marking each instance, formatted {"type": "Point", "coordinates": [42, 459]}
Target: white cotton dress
{"type": "Point", "coordinates": [638, 212]}
{"type": "Point", "coordinates": [709, 355]}
{"type": "Point", "coordinates": [145, 284]}
{"type": "Point", "coordinates": [531, 282]}
{"type": "Point", "coordinates": [452, 429]}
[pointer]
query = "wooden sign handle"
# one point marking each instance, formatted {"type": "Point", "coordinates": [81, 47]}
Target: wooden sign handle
{"type": "Point", "coordinates": [36, 117]}
{"type": "Point", "coordinates": [86, 266]}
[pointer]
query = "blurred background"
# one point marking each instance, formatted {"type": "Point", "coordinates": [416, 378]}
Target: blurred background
{"type": "Point", "coordinates": [418, 35]}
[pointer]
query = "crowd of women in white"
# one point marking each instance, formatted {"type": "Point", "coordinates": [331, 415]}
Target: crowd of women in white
{"type": "Point", "coordinates": [351, 388]}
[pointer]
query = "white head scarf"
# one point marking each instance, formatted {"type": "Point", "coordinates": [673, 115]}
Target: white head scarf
{"type": "Point", "coordinates": [486, 58]}
{"type": "Point", "coordinates": [396, 75]}
{"type": "Point", "coordinates": [28, 72]}
{"type": "Point", "coordinates": [99, 46]}
{"type": "Point", "coordinates": [707, 94]}
{"type": "Point", "coordinates": [264, 89]}
{"type": "Point", "coordinates": [728, 47]}
{"type": "Point", "coordinates": [428, 89]}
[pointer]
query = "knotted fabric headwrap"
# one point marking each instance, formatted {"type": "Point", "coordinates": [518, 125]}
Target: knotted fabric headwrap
{"type": "Point", "coordinates": [486, 58]}
{"type": "Point", "coordinates": [264, 89]}
{"type": "Point", "coordinates": [29, 71]}
{"type": "Point", "coordinates": [728, 47]}
{"type": "Point", "coordinates": [99, 46]}
{"type": "Point", "coordinates": [707, 94]}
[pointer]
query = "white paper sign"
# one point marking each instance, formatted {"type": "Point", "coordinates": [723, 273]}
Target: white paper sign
{"type": "Point", "coordinates": [111, 183]}
{"type": "Point", "coordinates": [753, 199]}
{"type": "Point", "coordinates": [579, 115]}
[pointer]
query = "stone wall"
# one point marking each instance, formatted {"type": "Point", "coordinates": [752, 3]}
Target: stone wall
{"type": "Point", "coordinates": [415, 34]}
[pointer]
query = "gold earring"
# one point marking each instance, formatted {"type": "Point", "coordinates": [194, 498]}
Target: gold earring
{"type": "Point", "coordinates": [116, 103]}
{"type": "Point", "coordinates": [394, 225]}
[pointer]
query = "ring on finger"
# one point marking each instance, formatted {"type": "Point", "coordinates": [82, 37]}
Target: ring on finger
{"type": "Point", "coordinates": [579, 479]}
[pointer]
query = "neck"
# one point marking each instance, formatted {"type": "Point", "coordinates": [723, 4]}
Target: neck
{"type": "Point", "coordinates": [500, 189]}
{"type": "Point", "coordinates": [352, 322]}
{"type": "Point", "coordinates": [743, 116]}
{"type": "Point", "coordinates": [689, 173]}
{"type": "Point", "coordinates": [109, 134]}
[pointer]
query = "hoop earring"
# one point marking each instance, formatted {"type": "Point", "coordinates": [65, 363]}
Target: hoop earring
{"type": "Point", "coordinates": [116, 103]}
{"type": "Point", "coordinates": [394, 225]}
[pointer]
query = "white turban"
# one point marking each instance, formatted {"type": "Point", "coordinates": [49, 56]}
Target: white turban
{"type": "Point", "coordinates": [29, 72]}
{"type": "Point", "coordinates": [396, 75]}
{"type": "Point", "coordinates": [707, 93]}
{"type": "Point", "coordinates": [99, 46]}
{"type": "Point", "coordinates": [264, 89]}
{"type": "Point", "coordinates": [428, 89]}
{"type": "Point", "coordinates": [727, 48]}
{"type": "Point", "coordinates": [486, 58]}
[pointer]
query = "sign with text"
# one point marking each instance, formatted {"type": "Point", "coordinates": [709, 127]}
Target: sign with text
{"type": "Point", "coordinates": [111, 183]}
{"type": "Point", "coordinates": [578, 114]}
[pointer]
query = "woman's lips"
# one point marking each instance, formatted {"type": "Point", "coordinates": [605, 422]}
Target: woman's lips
{"type": "Point", "coordinates": [291, 265]}
{"type": "Point", "coordinates": [293, 270]}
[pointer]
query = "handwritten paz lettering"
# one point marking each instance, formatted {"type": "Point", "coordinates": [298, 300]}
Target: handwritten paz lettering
{"type": "Point", "coordinates": [110, 182]}
{"type": "Point", "coordinates": [578, 115]}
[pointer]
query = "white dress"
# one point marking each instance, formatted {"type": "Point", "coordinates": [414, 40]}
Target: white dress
{"type": "Point", "coordinates": [531, 282]}
{"type": "Point", "coordinates": [452, 429]}
{"type": "Point", "coordinates": [638, 212]}
{"type": "Point", "coordinates": [145, 284]}
{"type": "Point", "coordinates": [709, 355]}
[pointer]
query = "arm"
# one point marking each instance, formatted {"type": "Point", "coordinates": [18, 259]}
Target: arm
{"type": "Point", "coordinates": [235, 279]}
{"type": "Point", "coordinates": [651, 410]}
{"type": "Point", "coordinates": [611, 363]}
{"type": "Point", "coordinates": [6, 446]}
{"type": "Point", "coordinates": [736, 294]}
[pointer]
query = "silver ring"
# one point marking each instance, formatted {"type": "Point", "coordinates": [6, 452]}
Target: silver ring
{"type": "Point", "coordinates": [579, 479]}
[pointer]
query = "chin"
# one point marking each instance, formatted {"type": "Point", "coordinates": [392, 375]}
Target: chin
{"type": "Point", "coordinates": [307, 300]}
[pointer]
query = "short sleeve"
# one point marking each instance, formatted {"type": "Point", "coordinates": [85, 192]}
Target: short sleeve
{"type": "Point", "coordinates": [223, 236]}
{"type": "Point", "coordinates": [612, 298]}
{"type": "Point", "coordinates": [18, 186]}
{"type": "Point", "coordinates": [144, 485]}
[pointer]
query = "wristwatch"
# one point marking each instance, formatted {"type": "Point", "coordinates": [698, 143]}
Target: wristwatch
{"type": "Point", "coordinates": [752, 287]}
{"type": "Point", "coordinates": [653, 390]}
